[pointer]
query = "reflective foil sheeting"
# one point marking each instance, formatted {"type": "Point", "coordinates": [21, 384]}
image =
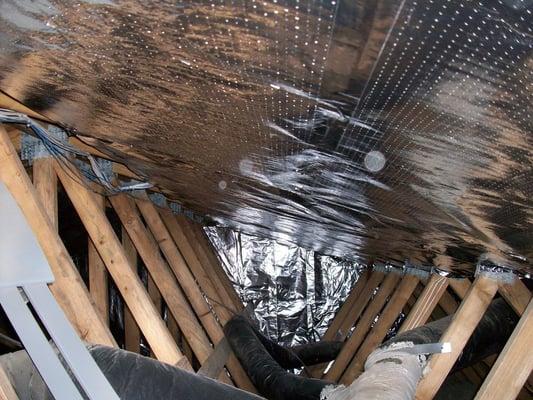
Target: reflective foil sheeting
{"type": "Point", "coordinates": [372, 130]}
{"type": "Point", "coordinates": [295, 292]}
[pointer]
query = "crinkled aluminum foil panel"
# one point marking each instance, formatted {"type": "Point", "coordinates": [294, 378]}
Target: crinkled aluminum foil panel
{"type": "Point", "coordinates": [383, 130]}
{"type": "Point", "coordinates": [295, 292]}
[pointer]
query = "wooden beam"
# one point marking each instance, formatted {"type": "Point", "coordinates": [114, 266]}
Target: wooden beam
{"type": "Point", "coordinates": [162, 275]}
{"type": "Point", "coordinates": [68, 288]}
{"type": "Point", "coordinates": [344, 317]}
{"type": "Point", "coordinates": [219, 302]}
{"type": "Point", "coordinates": [461, 327]}
{"type": "Point", "coordinates": [345, 313]}
{"type": "Point", "coordinates": [205, 253]}
{"type": "Point", "coordinates": [214, 365]}
{"type": "Point", "coordinates": [381, 328]}
{"type": "Point", "coordinates": [374, 280]}
{"type": "Point", "coordinates": [460, 287]}
{"type": "Point", "coordinates": [132, 333]}
{"type": "Point", "coordinates": [98, 277]}
{"type": "Point", "coordinates": [517, 295]}
{"type": "Point", "coordinates": [363, 326]}
{"type": "Point", "coordinates": [426, 303]}
{"type": "Point", "coordinates": [45, 182]}
{"type": "Point", "coordinates": [514, 364]}
{"type": "Point", "coordinates": [175, 331]}
{"type": "Point", "coordinates": [157, 301]}
{"type": "Point", "coordinates": [14, 136]}
{"type": "Point", "coordinates": [448, 303]}
{"type": "Point", "coordinates": [190, 287]}
{"type": "Point", "coordinates": [127, 282]}
{"type": "Point", "coordinates": [6, 388]}
{"type": "Point", "coordinates": [368, 284]}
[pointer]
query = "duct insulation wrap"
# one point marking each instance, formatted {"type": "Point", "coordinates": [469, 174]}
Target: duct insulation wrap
{"type": "Point", "coordinates": [392, 371]}
{"type": "Point", "coordinates": [390, 374]}
{"type": "Point", "coordinates": [132, 376]}
{"type": "Point", "coordinates": [295, 292]}
{"type": "Point", "coordinates": [266, 363]}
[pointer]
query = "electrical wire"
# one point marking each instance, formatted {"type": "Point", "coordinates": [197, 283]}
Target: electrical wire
{"type": "Point", "coordinates": [62, 152]}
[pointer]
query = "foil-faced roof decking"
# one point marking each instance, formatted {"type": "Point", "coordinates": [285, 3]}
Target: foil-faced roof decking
{"type": "Point", "coordinates": [370, 130]}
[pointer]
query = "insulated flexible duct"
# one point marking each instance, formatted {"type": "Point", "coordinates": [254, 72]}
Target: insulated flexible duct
{"type": "Point", "coordinates": [488, 338]}
{"type": "Point", "coordinates": [133, 377]}
{"type": "Point", "coordinates": [275, 383]}
{"type": "Point", "coordinates": [265, 363]}
{"type": "Point", "coordinates": [390, 372]}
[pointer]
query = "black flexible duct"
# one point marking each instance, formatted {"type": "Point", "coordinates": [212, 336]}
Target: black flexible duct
{"type": "Point", "coordinates": [488, 338]}
{"type": "Point", "coordinates": [264, 361]}
{"type": "Point", "coordinates": [296, 356]}
{"type": "Point", "coordinates": [133, 377]}
{"type": "Point", "coordinates": [271, 380]}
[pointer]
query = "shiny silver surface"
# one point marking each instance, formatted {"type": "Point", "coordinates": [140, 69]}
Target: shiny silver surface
{"type": "Point", "coordinates": [307, 121]}
{"type": "Point", "coordinates": [295, 292]}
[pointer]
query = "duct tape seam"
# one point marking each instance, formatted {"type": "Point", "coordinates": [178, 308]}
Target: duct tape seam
{"type": "Point", "coordinates": [493, 271]}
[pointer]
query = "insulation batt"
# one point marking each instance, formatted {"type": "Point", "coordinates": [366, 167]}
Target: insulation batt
{"type": "Point", "coordinates": [390, 374]}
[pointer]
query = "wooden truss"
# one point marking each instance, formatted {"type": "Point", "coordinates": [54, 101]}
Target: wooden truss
{"type": "Point", "coordinates": [184, 273]}
{"type": "Point", "coordinates": [186, 277]}
{"type": "Point", "coordinates": [377, 301]}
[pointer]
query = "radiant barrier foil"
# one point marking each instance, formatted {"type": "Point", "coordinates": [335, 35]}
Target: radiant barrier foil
{"type": "Point", "coordinates": [374, 131]}
{"type": "Point", "coordinates": [294, 292]}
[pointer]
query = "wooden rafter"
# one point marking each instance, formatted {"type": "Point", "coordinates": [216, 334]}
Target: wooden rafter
{"type": "Point", "coordinates": [514, 365]}
{"type": "Point", "coordinates": [460, 287]}
{"type": "Point", "coordinates": [363, 326]}
{"type": "Point", "coordinates": [220, 306]}
{"type": "Point", "coordinates": [190, 287]}
{"type": "Point", "coordinates": [335, 331]}
{"type": "Point", "coordinates": [448, 303]}
{"type": "Point", "coordinates": [205, 253]}
{"type": "Point", "coordinates": [426, 303]}
{"type": "Point", "coordinates": [517, 295]}
{"type": "Point", "coordinates": [98, 277]}
{"type": "Point", "coordinates": [464, 321]}
{"type": "Point", "coordinates": [110, 249]}
{"type": "Point", "coordinates": [45, 182]}
{"type": "Point", "coordinates": [68, 288]}
{"type": "Point", "coordinates": [379, 331]}
{"type": "Point", "coordinates": [345, 317]}
{"type": "Point", "coordinates": [162, 275]}
{"type": "Point", "coordinates": [132, 333]}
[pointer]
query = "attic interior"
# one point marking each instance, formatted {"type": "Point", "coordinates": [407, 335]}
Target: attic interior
{"type": "Point", "coordinates": [281, 199]}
